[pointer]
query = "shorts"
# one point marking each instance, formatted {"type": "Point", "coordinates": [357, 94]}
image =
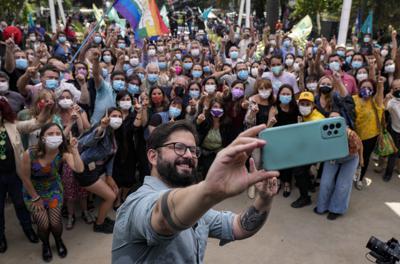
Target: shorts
{"type": "Point", "coordinates": [89, 177]}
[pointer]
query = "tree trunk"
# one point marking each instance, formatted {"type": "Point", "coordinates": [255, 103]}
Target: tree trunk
{"type": "Point", "coordinates": [272, 13]}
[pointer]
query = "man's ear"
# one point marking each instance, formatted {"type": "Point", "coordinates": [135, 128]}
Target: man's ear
{"type": "Point", "coordinates": [152, 155]}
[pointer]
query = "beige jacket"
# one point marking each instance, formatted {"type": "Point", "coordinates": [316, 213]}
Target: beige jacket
{"type": "Point", "coordinates": [15, 140]}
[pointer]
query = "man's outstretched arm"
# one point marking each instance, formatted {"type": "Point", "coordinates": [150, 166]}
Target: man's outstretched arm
{"type": "Point", "coordinates": [179, 209]}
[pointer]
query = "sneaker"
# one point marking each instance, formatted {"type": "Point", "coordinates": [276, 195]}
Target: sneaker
{"type": "Point", "coordinates": [70, 222]}
{"type": "Point", "coordinates": [318, 213]}
{"type": "Point", "coordinates": [359, 185]}
{"type": "Point", "coordinates": [251, 192]}
{"type": "Point", "coordinates": [88, 217]}
{"type": "Point", "coordinates": [332, 216]}
{"type": "Point", "coordinates": [103, 228]}
{"type": "Point", "coordinates": [109, 221]}
{"type": "Point", "coordinates": [301, 202]}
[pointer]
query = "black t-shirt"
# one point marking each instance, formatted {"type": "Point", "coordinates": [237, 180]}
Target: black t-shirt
{"type": "Point", "coordinates": [286, 118]}
{"type": "Point", "coordinates": [7, 165]}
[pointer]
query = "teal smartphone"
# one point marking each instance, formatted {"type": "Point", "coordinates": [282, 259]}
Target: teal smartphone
{"type": "Point", "coordinates": [304, 143]}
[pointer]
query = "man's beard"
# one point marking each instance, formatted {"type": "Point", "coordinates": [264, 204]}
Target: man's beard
{"type": "Point", "coordinates": [169, 173]}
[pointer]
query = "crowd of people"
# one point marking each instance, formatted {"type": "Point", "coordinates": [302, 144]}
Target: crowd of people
{"type": "Point", "coordinates": [71, 131]}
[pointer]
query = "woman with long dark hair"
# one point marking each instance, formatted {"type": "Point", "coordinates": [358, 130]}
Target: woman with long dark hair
{"type": "Point", "coordinates": [43, 191]}
{"type": "Point", "coordinates": [10, 167]}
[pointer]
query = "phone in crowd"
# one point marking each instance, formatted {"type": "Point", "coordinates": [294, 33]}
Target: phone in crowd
{"type": "Point", "coordinates": [304, 143]}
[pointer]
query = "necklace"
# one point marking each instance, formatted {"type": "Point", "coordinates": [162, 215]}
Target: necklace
{"type": "Point", "coordinates": [3, 136]}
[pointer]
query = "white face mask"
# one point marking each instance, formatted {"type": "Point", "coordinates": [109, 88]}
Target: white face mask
{"type": "Point", "coordinates": [115, 122]}
{"type": "Point", "coordinates": [4, 87]}
{"type": "Point", "coordinates": [272, 42]}
{"type": "Point", "coordinates": [151, 52]}
{"type": "Point", "coordinates": [362, 76]}
{"type": "Point", "coordinates": [210, 88]}
{"type": "Point", "coordinates": [125, 105]}
{"type": "Point", "coordinates": [53, 142]}
{"type": "Point", "coordinates": [384, 52]}
{"type": "Point", "coordinates": [390, 68]}
{"type": "Point", "coordinates": [305, 110]}
{"type": "Point", "coordinates": [195, 52]}
{"type": "Point", "coordinates": [65, 103]}
{"type": "Point", "coordinates": [296, 66]}
{"type": "Point", "coordinates": [32, 38]}
{"type": "Point", "coordinates": [289, 62]}
{"type": "Point", "coordinates": [312, 86]}
{"type": "Point", "coordinates": [265, 94]}
{"type": "Point", "coordinates": [254, 72]}
{"type": "Point", "coordinates": [160, 49]}
{"type": "Point", "coordinates": [134, 61]}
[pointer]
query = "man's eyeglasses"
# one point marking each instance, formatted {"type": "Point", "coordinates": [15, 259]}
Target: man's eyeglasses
{"type": "Point", "coordinates": [180, 149]}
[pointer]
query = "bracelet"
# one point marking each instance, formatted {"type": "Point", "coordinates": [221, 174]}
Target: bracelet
{"type": "Point", "coordinates": [33, 200]}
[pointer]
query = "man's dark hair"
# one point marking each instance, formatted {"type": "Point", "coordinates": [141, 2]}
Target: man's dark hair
{"type": "Point", "coordinates": [162, 133]}
{"type": "Point", "coordinates": [276, 57]}
{"type": "Point", "coordinates": [115, 73]}
{"type": "Point", "coordinates": [48, 67]}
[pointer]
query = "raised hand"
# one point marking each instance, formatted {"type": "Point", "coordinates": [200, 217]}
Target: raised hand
{"type": "Point", "coordinates": [73, 142]}
{"type": "Point", "coordinates": [228, 175]}
{"type": "Point", "coordinates": [105, 121]}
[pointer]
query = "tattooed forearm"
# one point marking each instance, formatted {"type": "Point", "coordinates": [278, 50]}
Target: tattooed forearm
{"type": "Point", "coordinates": [252, 219]}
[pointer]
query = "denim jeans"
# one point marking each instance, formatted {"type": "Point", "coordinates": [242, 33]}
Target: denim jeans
{"type": "Point", "coordinates": [336, 185]}
{"type": "Point", "coordinates": [12, 184]}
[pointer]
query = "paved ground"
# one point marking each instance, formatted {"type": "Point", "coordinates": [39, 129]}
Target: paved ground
{"type": "Point", "coordinates": [290, 235]}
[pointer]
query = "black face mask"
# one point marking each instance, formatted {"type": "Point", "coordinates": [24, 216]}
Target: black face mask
{"type": "Point", "coordinates": [396, 93]}
{"type": "Point", "coordinates": [170, 174]}
{"type": "Point", "coordinates": [325, 89]}
{"type": "Point", "coordinates": [179, 91]}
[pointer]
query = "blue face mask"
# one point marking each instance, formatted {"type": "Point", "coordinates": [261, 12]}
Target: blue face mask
{"type": "Point", "coordinates": [207, 69]}
{"type": "Point", "coordinates": [118, 85]}
{"type": "Point", "coordinates": [141, 76]}
{"type": "Point", "coordinates": [276, 69]}
{"type": "Point", "coordinates": [197, 74]}
{"type": "Point", "coordinates": [51, 84]}
{"type": "Point", "coordinates": [61, 76]}
{"type": "Point", "coordinates": [178, 56]}
{"type": "Point", "coordinates": [174, 112]}
{"type": "Point", "coordinates": [243, 75]}
{"type": "Point", "coordinates": [126, 67]}
{"type": "Point", "coordinates": [286, 43]}
{"type": "Point", "coordinates": [21, 64]}
{"type": "Point", "coordinates": [340, 53]}
{"type": "Point", "coordinates": [187, 65]}
{"type": "Point", "coordinates": [152, 77]}
{"type": "Point", "coordinates": [104, 73]}
{"type": "Point", "coordinates": [194, 94]}
{"type": "Point", "coordinates": [334, 66]}
{"type": "Point", "coordinates": [133, 89]}
{"type": "Point", "coordinates": [285, 99]}
{"type": "Point", "coordinates": [348, 59]}
{"type": "Point", "coordinates": [97, 39]}
{"type": "Point", "coordinates": [234, 55]}
{"type": "Point", "coordinates": [62, 39]}
{"type": "Point", "coordinates": [356, 64]}
{"type": "Point", "coordinates": [162, 65]}
{"type": "Point", "coordinates": [122, 45]}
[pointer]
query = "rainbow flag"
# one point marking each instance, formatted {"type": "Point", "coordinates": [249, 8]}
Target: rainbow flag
{"type": "Point", "coordinates": [144, 17]}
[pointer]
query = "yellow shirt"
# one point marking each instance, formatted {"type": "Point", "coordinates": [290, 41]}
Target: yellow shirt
{"type": "Point", "coordinates": [366, 123]}
{"type": "Point", "coordinates": [314, 116]}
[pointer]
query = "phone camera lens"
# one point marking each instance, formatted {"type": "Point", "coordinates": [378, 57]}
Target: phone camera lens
{"type": "Point", "coordinates": [325, 127]}
{"type": "Point", "coordinates": [331, 126]}
{"type": "Point", "coordinates": [335, 132]}
{"type": "Point", "coordinates": [338, 125]}
{"type": "Point", "coordinates": [329, 133]}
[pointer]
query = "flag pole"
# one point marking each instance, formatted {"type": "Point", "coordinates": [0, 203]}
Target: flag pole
{"type": "Point", "coordinates": [91, 33]}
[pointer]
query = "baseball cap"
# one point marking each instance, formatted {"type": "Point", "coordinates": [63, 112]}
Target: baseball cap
{"type": "Point", "coordinates": [306, 96]}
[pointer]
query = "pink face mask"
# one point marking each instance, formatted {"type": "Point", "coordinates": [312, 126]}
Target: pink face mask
{"type": "Point", "coordinates": [178, 70]}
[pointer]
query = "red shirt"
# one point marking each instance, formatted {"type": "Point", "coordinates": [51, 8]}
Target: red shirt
{"type": "Point", "coordinates": [348, 81]}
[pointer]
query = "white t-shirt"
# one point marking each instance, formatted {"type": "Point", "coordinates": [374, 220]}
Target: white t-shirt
{"type": "Point", "coordinates": [393, 107]}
